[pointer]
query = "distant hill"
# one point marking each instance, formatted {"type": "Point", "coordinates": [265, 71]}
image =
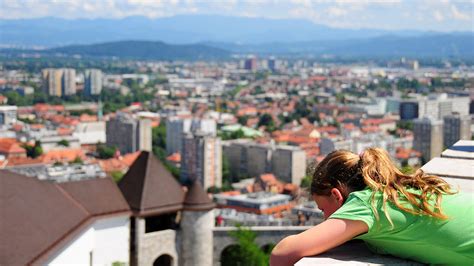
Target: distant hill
{"type": "Point", "coordinates": [432, 46]}
{"type": "Point", "coordinates": [457, 45]}
{"type": "Point", "coordinates": [134, 50]}
{"type": "Point", "coordinates": [182, 29]}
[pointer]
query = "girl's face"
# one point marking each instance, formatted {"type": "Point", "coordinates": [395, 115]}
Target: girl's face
{"type": "Point", "coordinates": [328, 204]}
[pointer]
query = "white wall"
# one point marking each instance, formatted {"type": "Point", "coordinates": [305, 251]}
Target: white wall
{"type": "Point", "coordinates": [108, 239]}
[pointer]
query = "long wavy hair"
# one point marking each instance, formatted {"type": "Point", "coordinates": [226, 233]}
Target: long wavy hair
{"type": "Point", "coordinates": [374, 169]}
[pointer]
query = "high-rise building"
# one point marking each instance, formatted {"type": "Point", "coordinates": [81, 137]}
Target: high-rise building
{"type": "Point", "coordinates": [456, 127]}
{"type": "Point", "coordinates": [441, 105]}
{"type": "Point", "coordinates": [408, 110]}
{"type": "Point", "coordinates": [129, 134]}
{"type": "Point", "coordinates": [249, 159]}
{"type": "Point", "coordinates": [201, 159]}
{"type": "Point", "coordinates": [68, 81]}
{"type": "Point", "coordinates": [250, 64]}
{"type": "Point", "coordinates": [52, 81]}
{"type": "Point", "coordinates": [176, 127]}
{"type": "Point", "coordinates": [59, 81]}
{"type": "Point", "coordinates": [93, 82]}
{"type": "Point", "coordinates": [428, 137]}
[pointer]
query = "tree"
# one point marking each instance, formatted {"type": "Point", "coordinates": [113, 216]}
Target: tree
{"type": "Point", "coordinates": [306, 182]}
{"type": "Point", "coordinates": [64, 143]}
{"type": "Point", "coordinates": [159, 136]}
{"type": "Point", "coordinates": [77, 160]}
{"type": "Point", "coordinates": [247, 252]}
{"type": "Point", "coordinates": [117, 176]}
{"type": "Point", "coordinates": [33, 151]}
{"type": "Point", "coordinates": [106, 152]}
{"type": "Point", "coordinates": [267, 121]}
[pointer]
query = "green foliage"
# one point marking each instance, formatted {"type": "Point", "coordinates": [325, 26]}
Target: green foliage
{"type": "Point", "coordinates": [118, 263]}
{"type": "Point", "coordinates": [408, 170]}
{"type": "Point", "coordinates": [77, 160]}
{"type": "Point", "coordinates": [405, 125]}
{"type": "Point", "coordinates": [33, 151]}
{"type": "Point", "coordinates": [238, 134]}
{"type": "Point", "coordinates": [243, 120]}
{"type": "Point", "coordinates": [236, 90]}
{"type": "Point", "coordinates": [267, 121]}
{"type": "Point", "coordinates": [159, 136]}
{"type": "Point", "coordinates": [247, 252]}
{"type": "Point", "coordinates": [306, 181]}
{"type": "Point", "coordinates": [404, 83]}
{"type": "Point", "coordinates": [105, 152]}
{"type": "Point", "coordinates": [159, 148]}
{"type": "Point", "coordinates": [117, 176]}
{"type": "Point", "coordinates": [63, 142]}
{"type": "Point", "coordinates": [258, 90]}
{"type": "Point", "coordinates": [214, 190]}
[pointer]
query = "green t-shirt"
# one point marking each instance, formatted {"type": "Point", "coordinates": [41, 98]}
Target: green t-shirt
{"type": "Point", "coordinates": [416, 237]}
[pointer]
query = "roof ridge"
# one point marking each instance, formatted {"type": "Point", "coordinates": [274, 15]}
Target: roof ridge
{"type": "Point", "coordinates": [145, 177]}
{"type": "Point", "coordinates": [75, 201]}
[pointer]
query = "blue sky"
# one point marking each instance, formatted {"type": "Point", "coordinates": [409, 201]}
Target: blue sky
{"type": "Point", "coordinates": [437, 15]}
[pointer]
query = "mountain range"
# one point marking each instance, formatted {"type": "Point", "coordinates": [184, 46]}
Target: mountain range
{"type": "Point", "coordinates": [211, 36]}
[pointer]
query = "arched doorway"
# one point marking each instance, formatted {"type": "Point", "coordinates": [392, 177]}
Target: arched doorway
{"type": "Point", "coordinates": [163, 260]}
{"type": "Point", "coordinates": [231, 256]}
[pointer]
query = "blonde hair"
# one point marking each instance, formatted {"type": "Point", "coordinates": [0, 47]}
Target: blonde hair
{"type": "Point", "coordinates": [374, 169]}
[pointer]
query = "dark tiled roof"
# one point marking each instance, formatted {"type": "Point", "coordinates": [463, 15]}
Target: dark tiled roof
{"type": "Point", "coordinates": [149, 188]}
{"type": "Point", "coordinates": [197, 199]}
{"type": "Point", "coordinates": [38, 217]}
{"type": "Point", "coordinates": [97, 196]}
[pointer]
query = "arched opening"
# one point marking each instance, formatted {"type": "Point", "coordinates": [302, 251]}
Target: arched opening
{"type": "Point", "coordinates": [268, 248]}
{"type": "Point", "coordinates": [163, 260]}
{"type": "Point", "coordinates": [231, 256]}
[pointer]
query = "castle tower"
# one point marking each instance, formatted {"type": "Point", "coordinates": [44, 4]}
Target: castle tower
{"type": "Point", "coordinates": [155, 198]}
{"type": "Point", "coordinates": [197, 223]}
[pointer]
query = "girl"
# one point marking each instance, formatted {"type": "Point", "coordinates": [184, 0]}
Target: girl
{"type": "Point", "coordinates": [366, 197]}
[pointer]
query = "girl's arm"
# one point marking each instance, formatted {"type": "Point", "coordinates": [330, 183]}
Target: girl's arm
{"type": "Point", "coordinates": [329, 234]}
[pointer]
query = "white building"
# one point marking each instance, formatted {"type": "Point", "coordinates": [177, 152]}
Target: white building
{"type": "Point", "coordinates": [73, 223]}
{"type": "Point", "coordinates": [176, 127]}
{"type": "Point", "coordinates": [8, 114]}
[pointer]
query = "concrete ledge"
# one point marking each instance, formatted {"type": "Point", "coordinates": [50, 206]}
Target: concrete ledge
{"type": "Point", "coordinates": [353, 252]}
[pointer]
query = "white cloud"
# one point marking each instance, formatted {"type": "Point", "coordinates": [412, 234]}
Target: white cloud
{"type": "Point", "coordinates": [438, 16]}
{"type": "Point", "coordinates": [336, 12]}
{"type": "Point", "coordinates": [458, 14]}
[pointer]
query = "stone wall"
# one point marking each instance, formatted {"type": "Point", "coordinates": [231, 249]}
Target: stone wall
{"type": "Point", "coordinates": [152, 245]}
{"type": "Point", "coordinates": [265, 235]}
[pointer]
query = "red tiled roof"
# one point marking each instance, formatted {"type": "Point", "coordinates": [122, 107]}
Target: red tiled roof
{"type": "Point", "coordinates": [10, 146]}
{"type": "Point", "coordinates": [63, 155]}
{"type": "Point", "coordinates": [175, 157]}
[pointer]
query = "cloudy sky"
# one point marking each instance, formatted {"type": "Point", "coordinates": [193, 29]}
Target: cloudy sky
{"type": "Point", "coordinates": [438, 15]}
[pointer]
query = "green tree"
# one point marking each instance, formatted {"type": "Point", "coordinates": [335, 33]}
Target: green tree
{"type": "Point", "coordinates": [77, 160]}
{"type": "Point", "coordinates": [267, 121]}
{"type": "Point", "coordinates": [64, 143]}
{"type": "Point", "coordinates": [306, 182]}
{"type": "Point", "coordinates": [247, 252]}
{"type": "Point", "coordinates": [117, 176]}
{"type": "Point", "coordinates": [106, 152]}
{"type": "Point", "coordinates": [33, 151]}
{"type": "Point", "coordinates": [159, 136]}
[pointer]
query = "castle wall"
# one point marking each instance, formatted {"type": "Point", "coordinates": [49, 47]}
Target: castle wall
{"type": "Point", "coordinates": [265, 235]}
{"type": "Point", "coordinates": [150, 246]}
